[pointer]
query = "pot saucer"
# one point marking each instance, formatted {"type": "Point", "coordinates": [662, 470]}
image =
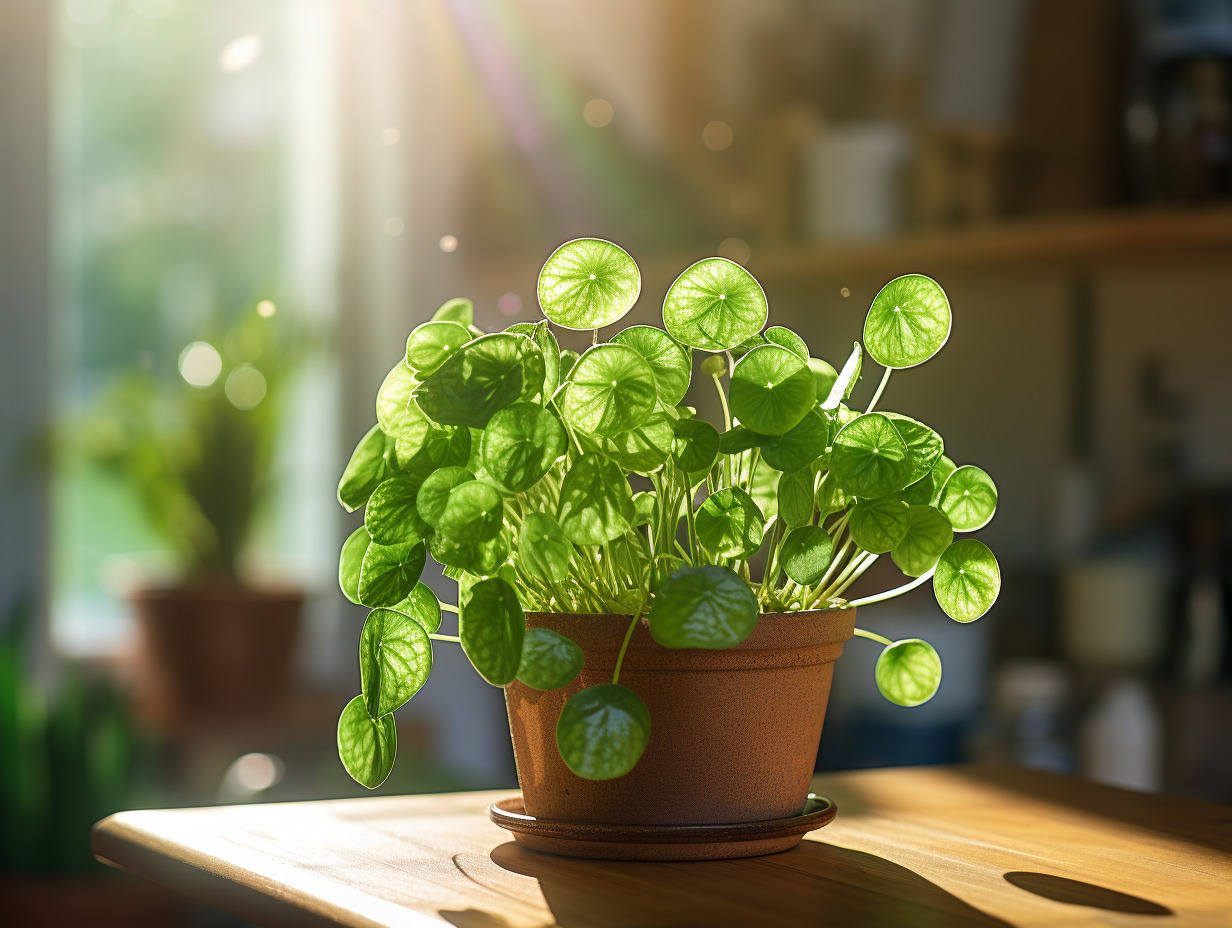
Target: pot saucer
{"type": "Point", "coordinates": [659, 842]}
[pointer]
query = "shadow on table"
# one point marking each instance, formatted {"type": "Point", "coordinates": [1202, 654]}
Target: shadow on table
{"type": "Point", "coordinates": [1077, 892]}
{"type": "Point", "coordinates": [815, 882]}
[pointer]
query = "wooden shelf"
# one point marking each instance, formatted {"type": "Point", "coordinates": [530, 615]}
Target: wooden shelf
{"type": "Point", "coordinates": [1076, 242]}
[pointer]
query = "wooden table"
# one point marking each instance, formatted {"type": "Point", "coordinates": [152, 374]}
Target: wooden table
{"type": "Point", "coordinates": [913, 847]}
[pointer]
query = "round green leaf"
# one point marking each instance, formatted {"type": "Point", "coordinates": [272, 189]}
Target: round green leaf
{"type": "Point", "coordinates": [543, 549]}
{"type": "Point", "coordinates": [459, 310]}
{"type": "Point", "coordinates": [549, 659]}
{"type": "Point", "coordinates": [805, 554]}
{"type": "Point", "coordinates": [441, 447]}
{"type": "Point", "coordinates": [870, 458]}
{"type": "Point", "coordinates": [771, 390]}
{"type": "Point", "coordinates": [389, 573]}
{"type": "Point", "coordinates": [908, 672]}
{"type": "Point", "coordinates": [430, 344]}
{"type": "Point", "coordinates": [351, 562]}
{"type": "Point", "coordinates": [729, 524]}
{"type": "Point", "coordinates": [823, 375]}
{"type": "Point", "coordinates": [492, 625]}
{"type": "Point", "coordinates": [422, 606]}
{"type": "Point", "coordinates": [588, 283]}
{"type": "Point", "coordinates": [434, 493]}
{"type": "Point", "coordinates": [795, 497]}
{"type": "Point", "coordinates": [967, 581]}
{"type": "Point", "coordinates": [474, 512]}
{"type": "Point", "coordinates": [714, 305]}
{"type": "Point", "coordinates": [397, 413]}
{"type": "Point", "coordinates": [482, 376]}
{"type": "Point", "coordinates": [667, 358]}
{"type": "Point", "coordinates": [923, 445]}
{"type": "Point", "coordinates": [969, 498]}
{"type": "Point", "coordinates": [483, 558]}
{"type": "Point", "coordinates": [703, 607]}
{"type": "Point", "coordinates": [369, 465]}
{"type": "Point", "coordinates": [800, 446]}
{"type": "Point", "coordinates": [395, 658]}
{"type": "Point", "coordinates": [520, 445]}
{"type": "Point", "coordinates": [643, 449]}
{"type": "Point", "coordinates": [602, 731]}
{"type": "Point", "coordinates": [878, 525]}
{"type": "Point", "coordinates": [908, 322]}
{"type": "Point", "coordinates": [695, 445]}
{"type": "Point", "coordinates": [391, 517]}
{"type": "Point", "coordinates": [928, 535]}
{"type": "Point", "coordinates": [596, 501]}
{"type": "Point", "coordinates": [611, 389]}
{"type": "Point", "coordinates": [738, 439]}
{"type": "Point", "coordinates": [367, 746]}
{"type": "Point", "coordinates": [779, 335]}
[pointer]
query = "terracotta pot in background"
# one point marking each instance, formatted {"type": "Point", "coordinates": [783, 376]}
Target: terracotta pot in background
{"type": "Point", "coordinates": [214, 651]}
{"type": "Point", "coordinates": [734, 733]}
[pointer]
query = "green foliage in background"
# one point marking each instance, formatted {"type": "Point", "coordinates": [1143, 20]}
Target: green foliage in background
{"type": "Point", "coordinates": [510, 462]}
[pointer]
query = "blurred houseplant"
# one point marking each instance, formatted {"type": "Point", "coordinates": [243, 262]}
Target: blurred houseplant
{"type": "Point", "coordinates": [513, 464]}
{"type": "Point", "coordinates": [198, 456]}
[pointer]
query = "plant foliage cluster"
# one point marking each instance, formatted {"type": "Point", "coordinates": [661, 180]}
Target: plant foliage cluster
{"type": "Point", "coordinates": [509, 461]}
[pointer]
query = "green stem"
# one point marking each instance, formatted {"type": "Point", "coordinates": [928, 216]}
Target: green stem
{"type": "Point", "coordinates": [718, 385]}
{"type": "Point", "coordinates": [885, 378]}
{"type": "Point", "coordinates": [624, 646]}
{"type": "Point", "coordinates": [450, 607]}
{"type": "Point", "coordinates": [872, 636]}
{"type": "Point", "coordinates": [453, 638]}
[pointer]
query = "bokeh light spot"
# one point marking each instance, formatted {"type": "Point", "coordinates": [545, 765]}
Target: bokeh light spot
{"type": "Point", "coordinates": [240, 53]}
{"type": "Point", "coordinates": [394, 226]}
{"type": "Point", "coordinates": [717, 135]}
{"type": "Point", "coordinates": [735, 249]}
{"type": "Point", "coordinates": [391, 136]}
{"type": "Point", "coordinates": [245, 387]}
{"type": "Point", "coordinates": [844, 292]}
{"type": "Point", "coordinates": [598, 112]}
{"type": "Point", "coordinates": [448, 243]}
{"type": "Point", "coordinates": [266, 308]}
{"type": "Point", "coordinates": [200, 364]}
{"type": "Point", "coordinates": [256, 772]}
{"type": "Point", "coordinates": [509, 304]}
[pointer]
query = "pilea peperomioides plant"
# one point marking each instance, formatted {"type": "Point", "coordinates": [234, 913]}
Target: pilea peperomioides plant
{"type": "Point", "coordinates": [509, 461]}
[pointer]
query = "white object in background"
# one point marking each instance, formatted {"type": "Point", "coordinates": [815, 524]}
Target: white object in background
{"type": "Point", "coordinates": [1122, 738]}
{"type": "Point", "coordinates": [1114, 613]}
{"type": "Point", "coordinates": [852, 181]}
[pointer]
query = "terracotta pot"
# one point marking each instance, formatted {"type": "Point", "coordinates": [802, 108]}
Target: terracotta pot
{"type": "Point", "coordinates": [733, 736]}
{"type": "Point", "coordinates": [215, 651]}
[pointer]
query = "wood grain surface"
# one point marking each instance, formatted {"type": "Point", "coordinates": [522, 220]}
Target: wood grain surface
{"type": "Point", "coordinates": [912, 847]}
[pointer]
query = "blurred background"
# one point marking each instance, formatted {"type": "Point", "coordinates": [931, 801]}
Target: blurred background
{"type": "Point", "coordinates": [219, 221]}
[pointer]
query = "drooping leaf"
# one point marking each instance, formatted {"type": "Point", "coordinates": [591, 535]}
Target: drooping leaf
{"type": "Point", "coordinates": [433, 494]}
{"type": "Point", "coordinates": [483, 558]}
{"type": "Point", "coordinates": [588, 283]}
{"type": "Point", "coordinates": [878, 525]}
{"type": "Point", "coordinates": [795, 495]}
{"type": "Point", "coordinates": [923, 444]}
{"type": "Point", "coordinates": [824, 376]}
{"type": "Point", "coordinates": [729, 524]}
{"type": "Point", "coordinates": [714, 305]}
{"type": "Point", "coordinates": [695, 445]}
{"type": "Point", "coordinates": [611, 389]}
{"type": "Point", "coordinates": [703, 607]}
{"type": "Point", "coordinates": [395, 658]}
{"type": "Point", "coordinates": [908, 322]}
{"type": "Point", "coordinates": [779, 335]}
{"type": "Point", "coordinates": [568, 358]}
{"type": "Point", "coordinates": [520, 445]}
{"type": "Point", "coordinates": [800, 446]}
{"type": "Point", "coordinates": [738, 438]}
{"type": "Point", "coordinates": [846, 381]}
{"type": "Point", "coordinates": [474, 513]}
{"type": "Point", "coordinates": [596, 501]}
{"type": "Point", "coordinates": [389, 573]}
{"type": "Point", "coordinates": [941, 473]}
{"type": "Point", "coordinates": [919, 493]}
{"type": "Point", "coordinates": [397, 413]}
{"type": "Point", "coordinates": [908, 672]}
{"type": "Point", "coordinates": [667, 358]}
{"type": "Point", "coordinates": [969, 498]}
{"type": "Point", "coordinates": [367, 746]}
{"type": "Point", "coordinates": [459, 310]}
{"type": "Point", "coordinates": [482, 376]}
{"type": "Point", "coordinates": [368, 466]}
{"type": "Point", "coordinates": [967, 581]}
{"type": "Point", "coordinates": [351, 562]}
{"type": "Point", "coordinates": [391, 517]}
{"type": "Point", "coordinates": [643, 449]}
{"type": "Point", "coordinates": [646, 505]}
{"type": "Point", "coordinates": [430, 344]}
{"type": "Point", "coordinates": [928, 535]}
{"type": "Point", "coordinates": [549, 659]}
{"type": "Point", "coordinates": [830, 497]}
{"type": "Point", "coordinates": [805, 553]}
{"type": "Point", "coordinates": [715, 365]}
{"type": "Point", "coordinates": [549, 347]}
{"type": "Point", "coordinates": [602, 731]}
{"type": "Point", "coordinates": [543, 549]}
{"type": "Point", "coordinates": [492, 625]}
{"type": "Point", "coordinates": [772, 389]}
{"type": "Point", "coordinates": [870, 459]}
{"type": "Point", "coordinates": [441, 447]}
{"type": "Point", "coordinates": [422, 606]}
